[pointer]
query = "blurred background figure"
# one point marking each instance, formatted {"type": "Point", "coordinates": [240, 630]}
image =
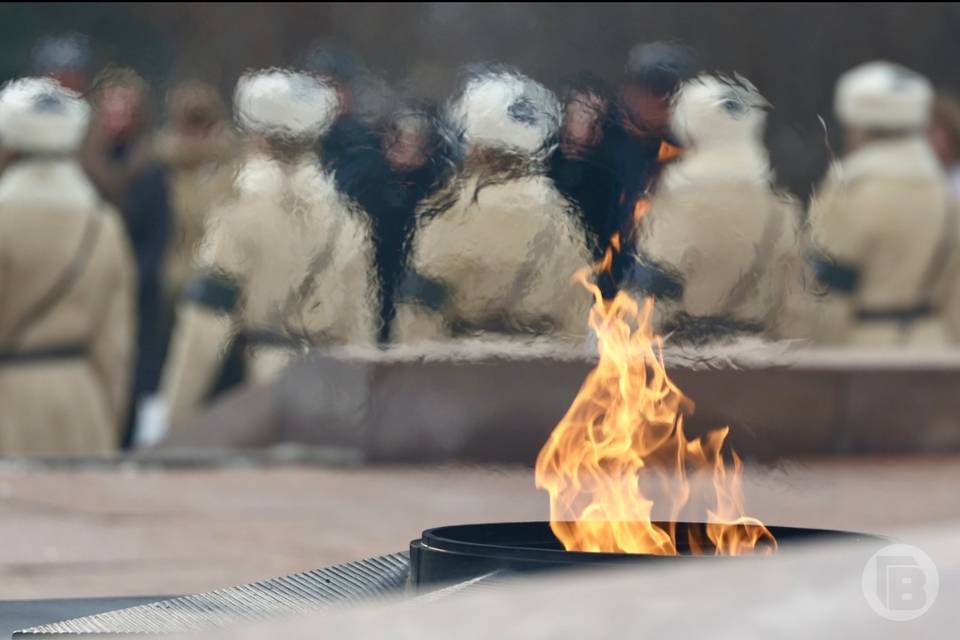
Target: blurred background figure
{"type": "Point", "coordinates": [576, 165]}
{"type": "Point", "coordinates": [352, 146]}
{"type": "Point", "coordinates": [67, 285]}
{"type": "Point", "coordinates": [119, 157]}
{"type": "Point", "coordinates": [497, 248]}
{"type": "Point", "coordinates": [383, 157]}
{"type": "Point", "coordinates": [611, 149]}
{"type": "Point", "coordinates": [884, 222]}
{"type": "Point", "coordinates": [945, 137]}
{"type": "Point", "coordinates": [66, 58]}
{"type": "Point", "coordinates": [411, 163]}
{"type": "Point", "coordinates": [286, 265]}
{"type": "Point", "coordinates": [199, 149]}
{"type": "Point", "coordinates": [364, 96]}
{"type": "Point", "coordinates": [718, 245]}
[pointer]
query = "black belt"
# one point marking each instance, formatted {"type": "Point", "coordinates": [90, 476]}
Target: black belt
{"type": "Point", "coordinates": [276, 339]}
{"type": "Point", "coordinates": [502, 325]}
{"type": "Point", "coordinates": [700, 330]}
{"type": "Point", "coordinates": [37, 356]}
{"type": "Point", "coordinates": [895, 315]}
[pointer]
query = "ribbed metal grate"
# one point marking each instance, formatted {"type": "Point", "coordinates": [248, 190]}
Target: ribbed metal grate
{"type": "Point", "coordinates": [310, 591]}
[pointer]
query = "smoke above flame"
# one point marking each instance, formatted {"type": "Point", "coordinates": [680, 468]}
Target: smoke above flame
{"type": "Point", "coordinates": [622, 442]}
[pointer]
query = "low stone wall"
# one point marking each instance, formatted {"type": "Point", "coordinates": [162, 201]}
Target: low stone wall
{"type": "Point", "coordinates": [499, 404]}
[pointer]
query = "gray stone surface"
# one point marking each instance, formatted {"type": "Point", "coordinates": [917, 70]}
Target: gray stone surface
{"type": "Point", "coordinates": [497, 403]}
{"type": "Point", "coordinates": [815, 592]}
{"type": "Point", "coordinates": [123, 531]}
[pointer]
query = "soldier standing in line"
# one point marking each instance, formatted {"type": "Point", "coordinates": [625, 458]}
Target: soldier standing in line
{"type": "Point", "coordinates": [496, 249]}
{"type": "Point", "coordinates": [884, 222]}
{"type": "Point", "coordinates": [67, 285]}
{"type": "Point", "coordinates": [286, 265]}
{"type": "Point", "coordinates": [718, 246]}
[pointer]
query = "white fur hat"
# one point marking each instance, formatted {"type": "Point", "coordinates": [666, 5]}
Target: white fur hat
{"type": "Point", "coordinates": [38, 115]}
{"type": "Point", "coordinates": [712, 109]}
{"type": "Point", "coordinates": [882, 95]}
{"type": "Point", "coordinates": [285, 104]}
{"type": "Point", "coordinates": [505, 110]}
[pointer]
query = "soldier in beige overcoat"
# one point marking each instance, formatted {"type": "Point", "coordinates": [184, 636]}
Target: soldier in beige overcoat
{"type": "Point", "coordinates": [717, 244]}
{"type": "Point", "coordinates": [284, 266]}
{"type": "Point", "coordinates": [496, 251]}
{"type": "Point", "coordinates": [200, 150]}
{"type": "Point", "coordinates": [66, 285]}
{"type": "Point", "coordinates": [883, 223]}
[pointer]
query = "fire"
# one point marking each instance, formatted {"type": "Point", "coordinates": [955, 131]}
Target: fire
{"type": "Point", "coordinates": [668, 152]}
{"type": "Point", "coordinates": [640, 210]}
{"type": "Point", "coordinates": [622, 441]}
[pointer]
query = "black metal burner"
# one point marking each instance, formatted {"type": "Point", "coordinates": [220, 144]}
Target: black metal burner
{"type": "Point", "coordinates": [447, 555]}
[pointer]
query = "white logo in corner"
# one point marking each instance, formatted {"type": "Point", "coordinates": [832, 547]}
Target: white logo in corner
{"type": "Point", "coordinates": [900, 582]}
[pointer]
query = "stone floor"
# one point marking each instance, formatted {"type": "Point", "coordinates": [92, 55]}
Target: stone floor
{"type": "Point", "coordinates": [814, 591]}
{"type": "Point", "coordinates": [70, 533]}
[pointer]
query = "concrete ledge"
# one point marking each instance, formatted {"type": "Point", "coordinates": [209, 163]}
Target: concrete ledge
{"type": "Point", "coordinates": [498, 403]}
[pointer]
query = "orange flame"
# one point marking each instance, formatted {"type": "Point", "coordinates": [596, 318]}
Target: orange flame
{"type": "Point", "coordinates": [622, 440]}
{"type": "Point", "coordinates": [668, 152]}
{"type": "Point", "coordinates": [640, 209]}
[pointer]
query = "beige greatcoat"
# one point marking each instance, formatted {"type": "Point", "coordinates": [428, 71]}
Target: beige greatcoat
{"type": "Point", "coordinates": [301, 256]}
{"type": "Point", "coordinates": [882, 211]}
{"type": "Point", "coordinates": [716, 226]}
{"type": "Point", "coordinates": [64, 406]}
{"type": "Point", "coordinates": [505, 257]}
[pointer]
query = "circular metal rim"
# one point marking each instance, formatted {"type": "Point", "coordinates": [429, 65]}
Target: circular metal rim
{"type": "Point", "coordinates": [469, 539]}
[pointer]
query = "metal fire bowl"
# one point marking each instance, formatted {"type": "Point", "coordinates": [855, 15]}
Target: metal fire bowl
{"type": "Point", "coordinates": [458, 553]}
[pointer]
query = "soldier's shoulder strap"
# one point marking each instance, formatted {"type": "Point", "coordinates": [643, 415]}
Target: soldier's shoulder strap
{"type": "Point", "coordinates": [65, 281]}
{"type": "Point", "coordinates": [772, 229]}
{"type": "Point", "coordinates": [319, 263]}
